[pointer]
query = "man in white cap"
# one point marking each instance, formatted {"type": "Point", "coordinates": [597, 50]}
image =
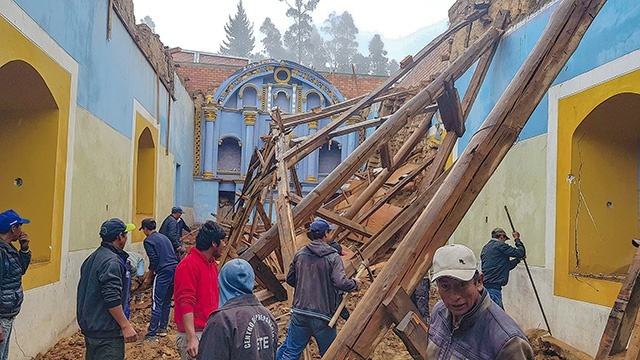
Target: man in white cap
{"type": "Point", "coordinates": [466, 324]}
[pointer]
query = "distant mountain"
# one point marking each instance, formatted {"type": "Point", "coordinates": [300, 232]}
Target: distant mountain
{"type": "Point", "coordinates": [408, 45]}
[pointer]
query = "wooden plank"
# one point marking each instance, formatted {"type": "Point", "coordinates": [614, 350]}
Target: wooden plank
{"type": "Point", "coordinates": [469, 174]}
{"type": "Point", "coordinates": [347, 129]}
{"type": "Point", "coordinates": [266, 278]}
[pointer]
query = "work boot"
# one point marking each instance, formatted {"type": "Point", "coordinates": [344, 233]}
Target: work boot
{"type": "Point", "coordinates": [162, 332]}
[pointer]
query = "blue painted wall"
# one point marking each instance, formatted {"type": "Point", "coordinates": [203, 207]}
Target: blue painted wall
{"type": "Point", "coordinates": [112, 73]}
{"type": "Point", "coordinates": [614, 33]}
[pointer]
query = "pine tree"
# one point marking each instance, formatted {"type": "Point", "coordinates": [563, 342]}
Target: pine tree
{"type": "Point", "coordinates": [298, 35]}
{"type": "Point", "coordinates": [240, 40]}
{"type": "Point", "coordinates": [379, 62]}
{"type": "Point", "coordinates": [343, 47]}
{"type": "Point", "coordinates": [272, 41]}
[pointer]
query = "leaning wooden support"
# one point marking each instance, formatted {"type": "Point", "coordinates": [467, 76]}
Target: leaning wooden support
{"type": "Point", "coordinates": [472, 170]}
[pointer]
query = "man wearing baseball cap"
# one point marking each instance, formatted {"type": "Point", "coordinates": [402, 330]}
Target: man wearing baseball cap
{"type": "Point", "coordinates": [172, 227]}
{"type": "Point", "coordinates": [498, 258]}
{"type": "Point", "coordinates": [317, 274]}
{"type": "Point", "coordinates": [162, 267]}
{"type": "Point", "coordinates": [466, 323]}
{"type": "Point", "coordinates": [103, 294]}
{"type": "Point", "coordinates": [15, 265]}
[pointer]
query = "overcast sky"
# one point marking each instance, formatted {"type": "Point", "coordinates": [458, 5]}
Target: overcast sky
{"type": "Point", "coordinates": [199, 24]}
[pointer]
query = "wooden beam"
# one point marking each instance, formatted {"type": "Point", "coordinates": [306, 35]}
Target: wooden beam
{"type": "Point", "coordinates": [623, 314]}
{"type": "Point", "coordinates": [266, 278]}
{"type": "Point", "coordinates": [481, 157]}
{"type": "Point", "coordinates": [413, 331]}
{"type": "Point", "coordinates": [385, 157]}
{"type": "Point", "coordinates": [347, 129]}
{"type": "Point", "coordinates": [337, 219]}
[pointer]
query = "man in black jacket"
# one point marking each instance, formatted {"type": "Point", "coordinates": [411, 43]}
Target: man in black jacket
{"type": "Point", "coordinates": [14, 265]}
{"type": "Point", "coordinates": [103, 293]}
{"type": "Point", "coordinates": [241, 328]}
{"type": "Point", "coordinates": [498, 258]}
{"type": "Point", "coordinates": [172, 227]}
{"type": "Point", "coordinates": [317, 274]}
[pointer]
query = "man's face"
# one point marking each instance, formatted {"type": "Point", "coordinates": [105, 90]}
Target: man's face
{"type": "Point", "coordinates": [15, 232]}
{"type": "Point", "coordinates": [217, 249]}
{"type": "Point", "coordinates": [459, 296]}
{"type": "Point", "coordinates": [120, 241]}
{"type": "Point", "coordinates": [176, 215]}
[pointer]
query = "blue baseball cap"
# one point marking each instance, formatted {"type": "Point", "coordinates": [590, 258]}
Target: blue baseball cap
{"type": "Point", "coordinates": [320, 224]}
{"type": "Point", "coordinates": [114, 227]}
{"type": "Point", "coordinates": [176, 209]}
{"type": "Point", "coordinates": [10, 218]}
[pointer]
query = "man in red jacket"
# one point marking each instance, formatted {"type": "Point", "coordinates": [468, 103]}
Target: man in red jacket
{"type": "Point", "coordinates": [196, 288]}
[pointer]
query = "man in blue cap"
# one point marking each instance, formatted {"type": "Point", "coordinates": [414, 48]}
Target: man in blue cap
{"type": "Point", "coordinates": [241, 328]}
{"type": "Point", "coordinates": [317, 274]}
{"type": "Point", "coordinates": [103, 295]}
{"type": "Point", "coordinates": [172, 227]}
{"type": "Point", "coordinates": [15, 265]}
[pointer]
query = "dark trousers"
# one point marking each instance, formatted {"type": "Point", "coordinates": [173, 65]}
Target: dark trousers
{"type": "Point", "coordinates": [301, 329]}
{"type": "Point", "coordinates": [162, 293]}
{"type": "Point", "coordinates": [104, 349]}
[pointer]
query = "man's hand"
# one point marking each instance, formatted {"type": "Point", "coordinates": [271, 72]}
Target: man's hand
{"type": "Point", "coordinates": [129, 334]}
{"type": "Point", "coordinates": [192, 346]}
{"type": "Point", "coordinates": [24, 241]}
{"type": "Point", "coordinates": [516, 235]}
{"type": "Point", "coordinates": [518, 242]}
{"type": "Point", "coordinates": [1, 335]}
{"type": "Point", "coordinates": [148, 279]}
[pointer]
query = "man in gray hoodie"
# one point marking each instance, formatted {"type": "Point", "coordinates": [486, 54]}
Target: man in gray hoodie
{"type": "Point", "coordinates": [241, 328]}
{"type": "Point", "coordinates": [317, 274]}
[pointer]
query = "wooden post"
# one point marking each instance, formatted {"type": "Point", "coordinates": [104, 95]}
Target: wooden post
{"type": "Point", "coordinates": [469, 174]}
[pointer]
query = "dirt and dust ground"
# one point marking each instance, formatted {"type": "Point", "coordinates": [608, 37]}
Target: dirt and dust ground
{"type": "Point", "coordinates": [391, 347]}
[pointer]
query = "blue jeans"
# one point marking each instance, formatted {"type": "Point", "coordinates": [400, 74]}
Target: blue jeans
{"type": "Point", "coordinates": [496, 296]}
{"type": "Point", "coordinates": [7, 325]}
{"type": "Point", "coordinates": [301, 329]}
{"type": "Point", "coordinates": [162, 293]}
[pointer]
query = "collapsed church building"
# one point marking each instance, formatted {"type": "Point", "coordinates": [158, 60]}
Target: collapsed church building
{"type": "Point", "coordinates": [506, 108]}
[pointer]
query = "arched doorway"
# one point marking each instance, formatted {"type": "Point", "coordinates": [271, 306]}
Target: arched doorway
{"type": "Point", "coordinates": [145, 174]}
{"type": "Point", "coordinates": [30, 120]}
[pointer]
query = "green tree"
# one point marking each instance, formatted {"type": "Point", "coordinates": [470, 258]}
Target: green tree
{"type": "Point", "coordinates": [377, 56]}
{"type": "Point", "coordinates": [240, 40]}
{"type": "Point", "coordinates": [272, 41]}
{"type": "Point", "coordinates": [317, 57]}
{"type": "Point", "coordinates": [393, 66]}
{"type": "Point", "coordinates": [298, 35]}
{"type": "Point", "coordinates": [343, 47]}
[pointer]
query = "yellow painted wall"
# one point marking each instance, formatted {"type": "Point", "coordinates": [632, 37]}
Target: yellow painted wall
{"type": "Point", "coordinates": [520, 183]}
{"type": "Point", "coordinates": [36, 151]}
{"type": "Point", "coordinates": [145, 172]}
{"type": "Point", "coordinates": [598, 136]}
{"type": "Point", "coordinates": [165, 185]}
{"type": "Point", "coordinates": [101, 179]}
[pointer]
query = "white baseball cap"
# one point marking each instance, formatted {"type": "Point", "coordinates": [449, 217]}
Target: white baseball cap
{"type": "Point", "coordinates": [456, 261]}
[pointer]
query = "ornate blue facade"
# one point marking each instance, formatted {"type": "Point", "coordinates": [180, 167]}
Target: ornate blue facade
{"type": "Point", "coordinates": [238, 114]}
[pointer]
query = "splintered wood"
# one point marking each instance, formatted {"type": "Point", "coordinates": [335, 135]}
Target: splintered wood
{"type": "Point", "coordinates": [359, 202]}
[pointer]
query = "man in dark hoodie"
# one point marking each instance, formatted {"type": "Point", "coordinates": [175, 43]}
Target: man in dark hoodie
{"type": "Point", "coordinates": [162, 267]}
{"type": "Point", "coordinates": [241, 328]}
{"type": "Point", "coordinates": [103, 293]}
{"type": "Point", "coordinates": [317, 274]}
